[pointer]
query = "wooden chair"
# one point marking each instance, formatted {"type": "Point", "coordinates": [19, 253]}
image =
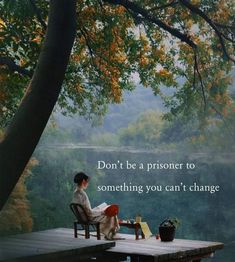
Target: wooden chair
{"type": "Point", "coordinates": [82, 219]}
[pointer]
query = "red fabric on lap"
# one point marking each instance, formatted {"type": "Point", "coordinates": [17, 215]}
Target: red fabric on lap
{"type": "Point", "coordinates": [111, 210]}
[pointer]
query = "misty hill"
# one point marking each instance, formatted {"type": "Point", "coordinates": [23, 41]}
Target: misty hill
{"type": "Point", "coordinates": [118, 115]}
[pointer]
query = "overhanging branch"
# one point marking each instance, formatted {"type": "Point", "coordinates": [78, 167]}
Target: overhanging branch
{"type": "Point", "coordinates": [146, 14]}
{"type": "Point", "coordinates": [194, 9]}
{"type": "Point", "coordinates": [12, 66]}
{"type": "Point", "coordinates": [196, 69]}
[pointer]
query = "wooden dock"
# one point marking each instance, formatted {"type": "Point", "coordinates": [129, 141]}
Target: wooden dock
{"type": "Point", "coordinates": [60, 245]}
{"type": "Point", "coordinates": [50, 245]}
{"type": "Point", "coordinates": [154, 250]}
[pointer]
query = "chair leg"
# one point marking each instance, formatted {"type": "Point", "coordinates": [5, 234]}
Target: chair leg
{"type": "Point", "coordinates": [75, 229]}
{"type": "Point", "coordinates": [87, 231]}
{"type": "Point", "coordinates": [98, 231]}
{"type": "Point", "coordinates": [136, 232]}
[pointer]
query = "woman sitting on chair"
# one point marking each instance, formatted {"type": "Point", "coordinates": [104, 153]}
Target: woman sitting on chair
{"type": "Point", "coordinates": [108, 225]}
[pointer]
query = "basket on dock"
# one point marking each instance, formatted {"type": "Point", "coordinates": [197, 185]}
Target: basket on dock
{"type": "Point", "coordinates": [167, 230]}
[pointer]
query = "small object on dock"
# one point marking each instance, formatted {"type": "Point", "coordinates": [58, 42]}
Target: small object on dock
{"type": "Point", "coordinates": [138, 218]}
{"type": "Point", "coordinates": [132, 221]}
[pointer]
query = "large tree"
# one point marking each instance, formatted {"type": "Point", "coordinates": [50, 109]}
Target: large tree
{"type": "Point", "coordinates": [185, 45]}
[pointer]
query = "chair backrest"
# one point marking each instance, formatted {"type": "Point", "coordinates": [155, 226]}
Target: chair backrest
{"type": "Point", "coordinates": [79, 212]}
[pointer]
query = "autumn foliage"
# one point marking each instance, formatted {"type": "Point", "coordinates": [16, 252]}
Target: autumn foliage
{"type": "Point", "coordinates": [185, 45]}
{"type": "Point", "coordinates": [16, 215]}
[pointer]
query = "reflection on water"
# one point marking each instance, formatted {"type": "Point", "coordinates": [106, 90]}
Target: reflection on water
{"type": "Point", "coordinates": [227, 254]}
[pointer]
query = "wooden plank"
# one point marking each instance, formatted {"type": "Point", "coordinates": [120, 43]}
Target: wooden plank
{"type": "Point", "coordinates": [57, 244]}
{"type": "Point", "coordinates": [177, 250]}
{"type": "Point", "coordinates": [151, 247]}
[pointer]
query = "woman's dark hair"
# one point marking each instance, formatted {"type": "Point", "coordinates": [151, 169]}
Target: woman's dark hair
{"type": "Point", "coordinates": [78, 178]}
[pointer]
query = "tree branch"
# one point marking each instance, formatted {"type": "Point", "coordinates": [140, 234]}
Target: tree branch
{"type": "Point", "coordinates": [145, 13]}
{"type": "Point", "coordinates": [196, 67]}
{"type": "Point", "coordinates": [84, 33]}
{"type": "Point", "coordinates": [196, 10]}
{"type": "Point", "coordinates": [232, 27]}
{"type": "Point", "coordinates": [12, 66]}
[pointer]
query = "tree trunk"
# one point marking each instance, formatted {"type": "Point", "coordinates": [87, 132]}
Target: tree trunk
{"type": "Point", "coordinates": [26, 127]}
